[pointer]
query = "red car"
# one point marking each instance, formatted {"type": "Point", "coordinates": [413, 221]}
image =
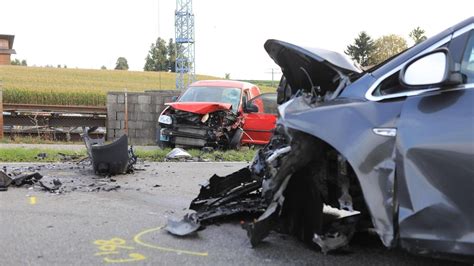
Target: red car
{"type": "Point", "coordinates": [219, 114]}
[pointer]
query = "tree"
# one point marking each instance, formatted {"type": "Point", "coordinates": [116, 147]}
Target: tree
{"type": "Point", "coordinates": [386, 47]}
{"type": "Point", "coordinates": [227, 75]}
{"type": "Point", "coordinates": [24, 63]}
{"type": "Point", "coordinates": [362, 48]}
{"type": "Point", "coordinates": [417, 35]}
{"type": "Point", "coordinates": [121, 64]}
{"type": "Point", "coordinates": [15, 62]}
{"type": "Point", "coordinates": [157, 58]}
{"type": "Point", "coordinates": [171, 56]}
{"type": "Point", "coordinates": [103, 67]}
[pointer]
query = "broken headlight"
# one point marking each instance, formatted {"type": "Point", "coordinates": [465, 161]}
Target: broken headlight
{"type": "Point", "coordinates": [165, 119]}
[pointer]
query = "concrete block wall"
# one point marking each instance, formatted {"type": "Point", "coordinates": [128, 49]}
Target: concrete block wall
{"type": "Point", "coordinates": [144, 109]}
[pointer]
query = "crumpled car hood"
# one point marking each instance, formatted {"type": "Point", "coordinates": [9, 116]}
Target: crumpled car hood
{"type": "Point", "coordinates": [324, 67]}
{"type": "Point", "coordinates": [200, 107]}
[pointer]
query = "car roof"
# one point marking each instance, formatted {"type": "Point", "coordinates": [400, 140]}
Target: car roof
{"type": "Point", "coordinates": [222, 83]}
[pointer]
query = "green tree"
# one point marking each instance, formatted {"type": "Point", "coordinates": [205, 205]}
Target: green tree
{"type": "Point", "coordinates": [103, 67]}
{"type": "Point", "coordinates": [386, 47]}
{"type": "Point", "coordinates": [362, 48]}
{"type": "Point", "coordinates": [24, 63]}
{"type": "Point", "coordinates": [227, 75]}
{"type": "Point", "coordinates": [171, 56]}
{"type": "Point", "coordinates": [417, 35]}
{"type": "Point", "coordinates": [15, 62]}
{"type": "Point", "coordinates": [157, 58]}
{"type": "Point", "coordinates": [121, 64]}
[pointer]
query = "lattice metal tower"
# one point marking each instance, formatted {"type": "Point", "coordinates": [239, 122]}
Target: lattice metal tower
{"type": "Point", "coordinates": [184, 38]}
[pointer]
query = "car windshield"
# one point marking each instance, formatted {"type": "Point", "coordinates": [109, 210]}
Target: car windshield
{"type": "Point", "coordinates": [213, 94]}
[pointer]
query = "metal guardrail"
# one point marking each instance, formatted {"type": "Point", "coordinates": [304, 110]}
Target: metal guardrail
{"type": "Point", "coordinates": [34, 118]}
{"type": "Point", "coordinates": [74, 109]}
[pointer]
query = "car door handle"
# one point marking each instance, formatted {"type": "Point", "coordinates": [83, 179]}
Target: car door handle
{"type": "Point", "coordinates": [385, 131]}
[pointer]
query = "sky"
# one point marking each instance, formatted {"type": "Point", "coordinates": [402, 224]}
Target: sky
{"type": "Point", "coordinates": [229, 34]}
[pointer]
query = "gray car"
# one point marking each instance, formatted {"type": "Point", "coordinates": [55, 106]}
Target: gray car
{"type": "Point", "coordinates": [395, 143]}
{"type": "Point", "coordinates": [389, 150]}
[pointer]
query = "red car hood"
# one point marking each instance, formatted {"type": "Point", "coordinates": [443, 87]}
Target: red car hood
{"type": "Point", "coordinates": [200, 107]}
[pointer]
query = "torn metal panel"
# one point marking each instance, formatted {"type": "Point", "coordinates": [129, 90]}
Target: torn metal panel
{"type": "Point", "coordinates": [114, 158]}
{"type": "Point", "coordinates": [373, 158]}
{"type": "Point", "coordinates": [186, 226]}
{"type": "Point", "coordinates": [178, 153]}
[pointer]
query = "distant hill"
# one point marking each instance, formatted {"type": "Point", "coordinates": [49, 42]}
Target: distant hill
{"type": "Point", "coordinates": [67, 86]}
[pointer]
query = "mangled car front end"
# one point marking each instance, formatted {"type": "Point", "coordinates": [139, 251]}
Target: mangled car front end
{"type": "Point", "coordinates": [199, 124]}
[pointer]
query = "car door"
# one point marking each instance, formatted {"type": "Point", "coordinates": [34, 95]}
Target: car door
{"type": "Point", "coordinates": [435, 162]}
{"type": "Point", "coordinates": [259, 126]}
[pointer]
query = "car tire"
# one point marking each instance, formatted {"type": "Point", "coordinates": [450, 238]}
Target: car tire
{"type": "Point", "coordinates": [235, 141]}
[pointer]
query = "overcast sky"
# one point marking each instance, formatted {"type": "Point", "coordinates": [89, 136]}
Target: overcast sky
{"type": "Point", "coordinates": [229, 33]}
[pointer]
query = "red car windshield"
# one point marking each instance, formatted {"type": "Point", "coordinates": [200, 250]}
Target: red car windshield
{"type": "Point", "coordinates": [213, 94]}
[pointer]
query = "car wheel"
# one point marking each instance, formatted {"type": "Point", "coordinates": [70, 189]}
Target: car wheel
{"type": "Point", "coordinates": [235, 141]}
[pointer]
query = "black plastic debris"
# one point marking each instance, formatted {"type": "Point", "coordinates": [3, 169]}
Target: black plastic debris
{"type": "Point", "coordinates": [53, 189]}
{"type": "Point", "coordinates": [109, 159]}
{"type": "Point", "coordinates": [26, 179]}
{"type": "Point", "coordinates": [41, 156]}
{"type": "Point", "coordinates": [222, 196]}
{"type": "Point", "coordinates": [5, 181]}
{"type": "Point", "coordinates": [18, 179]}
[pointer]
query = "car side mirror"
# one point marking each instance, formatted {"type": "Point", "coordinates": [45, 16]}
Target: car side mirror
{"type": "Point", "coordinates": [432, 69]}
{"type": "Point", "coordinates": [250, 108]}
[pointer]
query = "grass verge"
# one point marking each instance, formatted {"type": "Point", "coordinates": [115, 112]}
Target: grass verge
{"type": "Point", "coordinates": [52, 155]}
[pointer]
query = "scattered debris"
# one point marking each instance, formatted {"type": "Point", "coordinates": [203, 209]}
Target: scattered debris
{"type": "Point", "coordinates": [18, 179]}
{"type": "Point", "coordinates": [27, 178]}
{"type": "Point", "coordinates": [56, 185]}
{"type": "Point", "coordinates": [186, 226]}
{"type": "Point", "coordinates": [177, 154]}
{"type": "Point", "coordinates": [109, 159]}
{"type": "Point", "coordinates": [41, 156]}
{"type": "Point", "coordinates": [67, 157]}
{"type": "Point", "coordinates": [110, 188]}
{"type": "Point", "coordinates": [5, 181]}
{"type": "Point", "coordinates": [288, 187]}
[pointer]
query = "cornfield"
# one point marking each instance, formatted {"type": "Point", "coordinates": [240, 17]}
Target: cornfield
{"type": "Point", "coordinates": [59, 86]}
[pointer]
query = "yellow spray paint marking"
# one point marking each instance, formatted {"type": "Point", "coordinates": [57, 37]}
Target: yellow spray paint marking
{"type": "Point", "coordinates": [109, 247]}
{"type": "Point", "coordinates": [133, 257]}
{"type": "Point", "coordinates": [137, 240]}
{"type": "Point", "coordinates": [32, 200]}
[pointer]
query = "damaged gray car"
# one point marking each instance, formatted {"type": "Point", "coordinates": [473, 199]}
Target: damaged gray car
{"type": "Point", "coordinates": [389, 150]}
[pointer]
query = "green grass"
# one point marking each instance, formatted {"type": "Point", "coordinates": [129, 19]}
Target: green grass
{"type": "Point", "coordinates": [243, 155]}
{"type": "Point", "coordinates": [60, 86]}
{"type": "Point", "coordinates": [30, 155]}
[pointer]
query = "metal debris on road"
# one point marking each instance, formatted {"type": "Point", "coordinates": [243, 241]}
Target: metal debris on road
{"type": "Point", "coordinates": [177, 154]}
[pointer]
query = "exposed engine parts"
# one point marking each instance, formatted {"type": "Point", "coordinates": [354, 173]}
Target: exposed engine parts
{"type": "Point", "coordinates": [216, 129]}
{"type": "Point", "coordinates": [295, 184]}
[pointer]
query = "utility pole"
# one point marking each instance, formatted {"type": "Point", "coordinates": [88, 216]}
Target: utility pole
{"type": "Point", "coordinates": [273, 71]}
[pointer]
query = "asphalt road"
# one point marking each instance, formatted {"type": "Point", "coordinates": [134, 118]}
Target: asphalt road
{"type": "Point", "coordinates": [86, 225]}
